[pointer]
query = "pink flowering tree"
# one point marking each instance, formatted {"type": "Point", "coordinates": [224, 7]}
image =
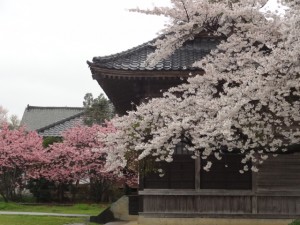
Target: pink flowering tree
{"type": "Point", "coordinates": [79, 158]}
{"type": "Point", "coordinates": [246, 100]}
{"type": "Point", "coordinates": [20, 153]}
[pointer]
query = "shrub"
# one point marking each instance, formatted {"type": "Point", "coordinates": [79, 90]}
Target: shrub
{"type": "Point", "coordinates": [296, 222]}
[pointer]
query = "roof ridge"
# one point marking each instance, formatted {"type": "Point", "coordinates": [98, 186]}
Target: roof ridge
{"type": "Point", "coordinates": [134, 58]}
{"type": "Point", "coordinates": [125, 52]}
{"type": "Point", "coordinates": [59, 122]}
{"type": "Point", "coordinates": [128, 51]}
{"type": "Point", "coordinates": [52, 107]}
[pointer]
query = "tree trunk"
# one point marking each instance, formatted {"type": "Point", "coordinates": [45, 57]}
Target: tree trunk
{"type": "Point", "coordinates": [4, 197]}
{"type": "Point", "coordinates": [74, 190]}
{"type": "Point", "coordinates": [60, 192]}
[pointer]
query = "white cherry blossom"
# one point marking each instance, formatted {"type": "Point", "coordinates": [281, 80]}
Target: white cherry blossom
{"type": "Point", "coordinates": [247, 100]}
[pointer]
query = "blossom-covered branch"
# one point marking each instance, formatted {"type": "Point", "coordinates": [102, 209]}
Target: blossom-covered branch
{"type": "Point", "coordinates": [246, 101]}
{"type": "Point", "coordinates": [20, 153]}
{"type": "Point", "coordinates": [80, 156]}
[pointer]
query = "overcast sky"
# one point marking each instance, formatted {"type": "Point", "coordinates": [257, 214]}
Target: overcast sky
{"type": "Point", "coordinates": [44, 46]}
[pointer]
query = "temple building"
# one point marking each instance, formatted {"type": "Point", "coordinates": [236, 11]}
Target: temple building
{"type": "Point", "coordinates": [187, 192]}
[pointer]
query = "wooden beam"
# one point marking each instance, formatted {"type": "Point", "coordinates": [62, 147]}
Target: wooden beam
{"type": "Point", "coordinates": [217, 215]}
{"type": "Point", "coordinates": [100, 73]}
{"type": "Point", "coordinates": [197, 173]}
{"type": "Point", "coordinates": [199, 192]}
{"type": "Point", "coordinates": [254, 190]}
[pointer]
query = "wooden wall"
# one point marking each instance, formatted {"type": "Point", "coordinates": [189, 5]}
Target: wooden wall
{"type": "Point", "coordinates": [203, 204]}
{"type": "Point", "coordinates": [180, 174]}
{"type": "Point", "coordinates": [278, 185]}
{"type": "Point", "coordinates": [281, 173]}
{"type": "Point", "coordinates": [282, 205]}
{"type": "Point", "coordinates": [275, 193]}
{"type": "Point", "coordinates": [224, 174]}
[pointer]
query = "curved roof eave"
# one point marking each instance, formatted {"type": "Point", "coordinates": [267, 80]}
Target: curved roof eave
{"type": "Point", "coordinates": [134, 59]}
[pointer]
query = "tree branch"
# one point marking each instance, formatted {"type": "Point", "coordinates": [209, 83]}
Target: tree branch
{"type": "Point", "coordinates": [186, 12]}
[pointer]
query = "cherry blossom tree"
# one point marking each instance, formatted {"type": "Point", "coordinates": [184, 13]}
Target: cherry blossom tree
{"type": "Point", "coordinates": [246, 100]}
{"type": "Point", "coordinates": [79, 157]}
{"type": "Point", "coordinates": [20, 153]}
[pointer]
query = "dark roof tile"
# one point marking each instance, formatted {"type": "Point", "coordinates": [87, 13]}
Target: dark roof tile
{"type": "Point", "coordinates": [58, 128]}
{"type": "Point", "coordinates": [181, 59]}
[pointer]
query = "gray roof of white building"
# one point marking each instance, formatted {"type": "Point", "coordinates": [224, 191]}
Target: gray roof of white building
{"type": "Point", "coordinates": [51, 121]}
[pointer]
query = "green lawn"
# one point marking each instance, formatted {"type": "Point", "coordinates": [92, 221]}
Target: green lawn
{"type": "Point", "coordinates": [89, 209]}
{"type": "Point", "coordinates": [38, 220]}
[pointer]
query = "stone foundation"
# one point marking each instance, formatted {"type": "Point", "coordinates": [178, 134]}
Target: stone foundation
{"type": "Point", "coordinates": [120, 210]}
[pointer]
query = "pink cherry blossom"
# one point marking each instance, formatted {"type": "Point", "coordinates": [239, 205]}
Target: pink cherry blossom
{"type": "Point", "coordinates": [80, 156]}
{"type": "Point", "coordinates": [21, 152]}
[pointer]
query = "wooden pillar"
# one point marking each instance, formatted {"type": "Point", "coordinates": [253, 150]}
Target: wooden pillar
{"type": "Point", "coordinates": [141, 168]}
{"type": "Point", "coordinates": [254, 192]}
{"type": "Point", "coordinates": [197, 172]}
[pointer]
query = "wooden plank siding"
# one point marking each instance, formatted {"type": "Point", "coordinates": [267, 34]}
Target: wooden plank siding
{"type": "Point", "coordinates": [278, 185]}
{"type": "Point", "coordinates": [278, 205]}
{"type": "Point", "coordinates": [281, 173]}
{"type": "Point", "coordinates": [274, 193]}
{"type": "Point", "coordinates": [204, 204]}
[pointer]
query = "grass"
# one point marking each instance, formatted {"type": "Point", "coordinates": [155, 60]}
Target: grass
{"type": "Point", "coordinates": [296, 222]}
{"type": "Point", "coordinates": [40, 220]}
{"type": "Point", "coordinates": [89, 209]}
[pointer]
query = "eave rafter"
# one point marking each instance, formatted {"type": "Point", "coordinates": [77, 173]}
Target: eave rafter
{"type": "Point", "coordinates": [101, 73]}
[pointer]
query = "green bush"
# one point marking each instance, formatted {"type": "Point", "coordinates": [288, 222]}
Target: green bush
{"type": "Point", "coordinates": [296, 222]}
{"type": "Point", "coordinates": [41, 189]}
{"type": "Point", "coordinates": [51, 140]}
{"type": "Point", "coordinates": [28, 198]}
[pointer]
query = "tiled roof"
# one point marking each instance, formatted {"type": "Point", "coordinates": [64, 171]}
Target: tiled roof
{"type": "Point", "coordinates": [59, 127]}
{"type": "Point", "coordinates": [181, 59]}
{"type": "Point", "coordinates": [51, 121]}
